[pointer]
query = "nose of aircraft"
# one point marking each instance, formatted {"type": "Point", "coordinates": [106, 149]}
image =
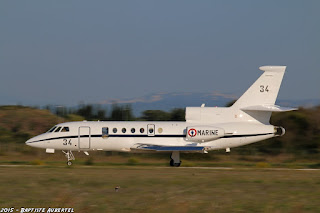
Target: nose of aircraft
{"type": "Point", "coordinates": [29, 142]}
{"type": "Point", "coordinates": [34, 142]}
{"type": "Point", "coordinates": [39, 141]}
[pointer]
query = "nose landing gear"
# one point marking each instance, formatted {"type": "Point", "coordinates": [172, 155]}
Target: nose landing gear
{"type": "Point", "coordinates": [69, 155]}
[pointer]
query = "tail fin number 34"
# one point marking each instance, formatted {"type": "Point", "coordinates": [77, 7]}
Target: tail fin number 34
{"type": "Point", "coordinates": [264, 88]}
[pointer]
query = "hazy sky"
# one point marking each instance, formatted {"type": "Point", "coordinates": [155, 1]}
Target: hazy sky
{"type": "Point", "coordinates": [63, 52]}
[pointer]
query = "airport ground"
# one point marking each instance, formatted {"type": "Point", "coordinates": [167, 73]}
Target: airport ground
{"type": "Point", "coordinates": [91, 188]}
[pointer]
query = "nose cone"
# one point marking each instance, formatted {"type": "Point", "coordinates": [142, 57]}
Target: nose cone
{"type": "Point", "coordinates": [36, 141]}
{"type": "Point", "coordinates": [31, 142]}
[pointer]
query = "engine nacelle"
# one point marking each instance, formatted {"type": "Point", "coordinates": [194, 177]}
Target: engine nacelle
{"type": "Point", "coordinates": [203, 133]}
{"type": "Point", "coordinates": [279, 131]}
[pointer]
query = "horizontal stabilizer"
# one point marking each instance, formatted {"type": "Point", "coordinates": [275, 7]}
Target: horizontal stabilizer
{"type": "Point", "coordinates": [273, 68]}
{"type": "Point", "coordinates": [160, 148]}
{"type": "Point", "coordinates": [268, 108]}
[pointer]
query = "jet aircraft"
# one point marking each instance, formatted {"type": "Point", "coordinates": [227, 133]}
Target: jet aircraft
{"type": "Point", "coordinates": [205, 128]}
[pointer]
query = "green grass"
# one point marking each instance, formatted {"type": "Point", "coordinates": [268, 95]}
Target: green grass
{"type": "Point", "coordinates": [159, 163]}
{"type": "Point", "coordinates": [159, 189]}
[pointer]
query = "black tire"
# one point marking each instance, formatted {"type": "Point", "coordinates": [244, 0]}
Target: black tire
{"type": "Point", "coordinates": [177, 164]}
{"type": "Point", "coordinates": [69, 163]}
{"type": "Point", "coordinates": [171, 162]}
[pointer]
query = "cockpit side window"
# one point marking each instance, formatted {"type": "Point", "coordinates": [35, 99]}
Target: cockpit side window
{"type": "Point", "coordinates": [51, 130]}
{"type": "Point", "coordinates": [65, 129]}
{"type": "Point", "coordinates": [58, 129]}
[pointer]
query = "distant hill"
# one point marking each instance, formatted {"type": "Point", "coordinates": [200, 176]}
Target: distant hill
{"type": "Point", "coordinates": [26, 120]}
{"type": "Point", "coordinates": [169, 101]}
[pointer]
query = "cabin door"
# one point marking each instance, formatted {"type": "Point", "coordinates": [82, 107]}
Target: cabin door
{"type": "Point", "coordinates": [151, 129]}
{"type": "Point", "coordinates": [84, 137]}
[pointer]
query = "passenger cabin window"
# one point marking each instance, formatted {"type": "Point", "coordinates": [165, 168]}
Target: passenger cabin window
{"type": "Point", "coordinates": [150, 130]}
{"type": "Point", "coordinates": [141, 130]}
{"type": "Point", "coordinates": [65, 129]}
{"type": "Point", "coordinates": [58, 129]}
{"type": "Point", "coordinates": [124, 130]}
{"type": "Point", "coordinates": [114, 130]}
{"type": "Point", "coordinates": [105, 132]}
{"type": "Point", "coordinates": [51, 130]}
{"type": "Point", "coordinates": [133, 130]}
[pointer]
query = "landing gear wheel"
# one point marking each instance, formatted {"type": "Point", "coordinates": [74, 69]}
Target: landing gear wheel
{"type": "Point", "coordinates": [69, 157]}
{"type": "Point", "coordinates": [175, 159]}
{"type": "Point", "coordinates": [177, 164]}
{"type": "Point", "coordinates": [172, 163]}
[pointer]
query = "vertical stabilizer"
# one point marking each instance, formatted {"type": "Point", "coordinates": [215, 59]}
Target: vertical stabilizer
{"type": "Point", "coordinates": [265, 90]}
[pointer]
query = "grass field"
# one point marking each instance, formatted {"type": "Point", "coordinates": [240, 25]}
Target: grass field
{"type": "Point", "coordinates": [159, 189]}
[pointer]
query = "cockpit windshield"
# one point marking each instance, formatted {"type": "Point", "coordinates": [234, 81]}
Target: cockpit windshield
{"type": "Point", "coordinates": [51, 130]}
{"type": "Point", "coordinates": [59, 129]}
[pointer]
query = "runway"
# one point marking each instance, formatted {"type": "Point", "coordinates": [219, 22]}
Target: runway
{"type": "Point", "coordinates": [146, 167]}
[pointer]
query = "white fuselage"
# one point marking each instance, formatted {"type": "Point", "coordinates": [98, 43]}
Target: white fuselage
{"type": "Point", "coordinates": [122, 136]}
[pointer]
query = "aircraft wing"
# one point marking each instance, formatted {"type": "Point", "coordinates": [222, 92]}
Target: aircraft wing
{"type": "Point", "coordinates": [160, 148]}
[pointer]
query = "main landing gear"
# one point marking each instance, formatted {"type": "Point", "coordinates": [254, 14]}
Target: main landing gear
{"type": "Point", "coordinates": [175, 159]}
{"type": "Point", "coordinates": [69, 155]}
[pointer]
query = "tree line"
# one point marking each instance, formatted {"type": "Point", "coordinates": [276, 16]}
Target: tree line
{"type": "Point", "coordinates": [117, 113]}
{"type": "Point", "coordinates": [302, 138]}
